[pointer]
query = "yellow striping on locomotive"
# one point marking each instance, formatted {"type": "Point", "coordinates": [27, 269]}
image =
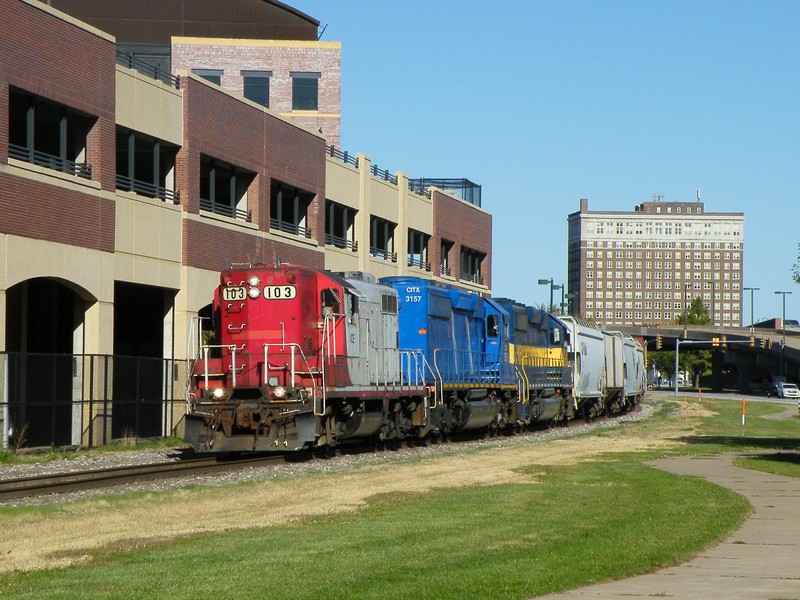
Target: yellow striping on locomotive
{"type": "Point", "coordinates": [537, 356]}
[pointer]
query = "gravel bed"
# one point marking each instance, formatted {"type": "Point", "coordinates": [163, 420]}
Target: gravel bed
{"type": "Point", "coordinates": [342, 462]}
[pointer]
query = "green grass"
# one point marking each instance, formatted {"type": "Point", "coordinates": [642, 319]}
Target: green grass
{"type": "Point", "coordinates": [578, 525]}
{"type": "Point", "coordinates": [783, 463]}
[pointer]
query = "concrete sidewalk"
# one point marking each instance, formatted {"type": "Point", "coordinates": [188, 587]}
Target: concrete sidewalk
{"type": "Point", "coordinates": [759, 561]}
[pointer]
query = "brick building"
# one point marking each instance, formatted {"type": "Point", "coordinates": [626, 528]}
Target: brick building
{"type": "Point", "coordinates": [645, 267]}
{"type": "Point", "coordinates": [125, 190]}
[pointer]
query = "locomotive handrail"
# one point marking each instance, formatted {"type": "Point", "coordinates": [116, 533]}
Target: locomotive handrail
{"type": "Point", "coordinates": [293, 372]}
{"type": "Point", "coordinates": [233, 328]}
{"type": "Point", "coordinates": [205, 348]}
{"type": "Point", "coordinates": [524, 384]}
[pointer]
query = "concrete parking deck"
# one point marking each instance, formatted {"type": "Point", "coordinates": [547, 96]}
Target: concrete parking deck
{"type": "Point", "coordinates": [761, 560]}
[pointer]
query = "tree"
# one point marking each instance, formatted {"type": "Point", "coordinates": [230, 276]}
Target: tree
{"type": "Point", "coordinates": [697, 362]}
{"type": "Point", "coordinates": [696, 314]}
{"type": "Point", "coordinates": [796, 268]}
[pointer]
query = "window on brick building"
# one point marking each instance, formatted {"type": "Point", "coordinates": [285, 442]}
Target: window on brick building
{"type": "Point", "coordinates": [288, 209]}
{"type": "Point", "coordinates": [212, 75]}
{"type": "Point", "coordinates": [381, 239]}
{"type": "Point", "coordinates": [305, 91]}
{"type": "Point", "coordinates": [255, 86]}
{"type": "Point", "coordinates": [48, 134]}
{"type": "Point", "coordinates": [471, 261]}
{"type": "Point", "coordinates": [340, 225]}
{"type": "Point", "coordinates": [444, 257]}
{"type": "Point", "coordinates": [223, 188]}
{"type": "Point", "coordinates": [146, 165]}
{"type": "Point", "coordinates": [418, 249]}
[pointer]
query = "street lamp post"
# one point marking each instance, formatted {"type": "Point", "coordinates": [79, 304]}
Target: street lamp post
{"type": "Point", "coordinates": [752, 289]}
{"type": "Point", "coordinates": [566, 302]}
{"type": "Point", "coordinates": [783, 326]}
{"type": "Point", "coordinates": [552, 287]}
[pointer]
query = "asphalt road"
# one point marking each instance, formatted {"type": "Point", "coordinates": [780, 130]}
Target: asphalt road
{"type": "Point", "coordinates": [665, 393]}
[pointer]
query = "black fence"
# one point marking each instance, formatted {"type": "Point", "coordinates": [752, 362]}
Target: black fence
{"type": "Point", "coordinates": [59, 400]}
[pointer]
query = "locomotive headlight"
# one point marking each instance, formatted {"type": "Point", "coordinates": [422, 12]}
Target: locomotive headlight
{"type": "Point", "coordinates": [253, 292]}
{"type": "Point", "coordinates": [279, 393]}
{"type": "Point", "coordinates": [218, 393]}
{"type": "Point", "coordinates": [254, 280]}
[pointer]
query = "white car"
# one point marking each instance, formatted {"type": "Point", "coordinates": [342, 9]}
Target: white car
{"type": "Point", "coordinates": [787, 390]}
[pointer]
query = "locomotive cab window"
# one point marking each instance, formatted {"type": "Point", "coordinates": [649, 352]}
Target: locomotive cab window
{"type": "Point", "coordinates": [330, 302]}
{"type": "Point", "coordinates": [555, 337]}
{"type": "Point", "coordinates": [492, 326]}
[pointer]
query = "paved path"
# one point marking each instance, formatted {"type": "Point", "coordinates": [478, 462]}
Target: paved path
{"type": "Point", "coordinates": [759, 561]}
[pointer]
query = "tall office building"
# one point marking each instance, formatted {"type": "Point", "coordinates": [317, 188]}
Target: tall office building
{"type": "Point", "coordinates": [644, 267]}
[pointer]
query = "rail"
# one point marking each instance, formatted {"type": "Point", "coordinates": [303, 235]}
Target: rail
{"type": "Point", "coordinates": [472, 278]}
{"type": "Point", "coordinates": [382, 254]}
{"type": "Point", "coordinates": [147, 189]}
{"type": "Point", "coordinates": [226, 210]}
{"type": "Point", "coordinates": [345, 157]}
{"type": "Point", "coordinates": [419, 263]}
{"type": "Point", "coordinates": [127, 59]}
{"type": "Point", "coordinates": [340, 242]}
{"type": "Point", "coordinates": [42, 159]}
{"type": "Point", "coordinates": [287, 227]}
{"type": "Point", "coordinates": [383, 174]}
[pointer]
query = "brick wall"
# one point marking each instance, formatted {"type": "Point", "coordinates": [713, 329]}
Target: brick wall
{"type": "Point", "coordinates": [222, 127]}
{"type": "Point", "coordinates": [206, 246]}
{"type": "Point", "coordinates": [280, 60]}
{"type": "Point", "coordinates": [48, 212]}
{"type": "Point", "coordinates": [65, 64]}
{"type": "Point", "coordinates": [465, 225]}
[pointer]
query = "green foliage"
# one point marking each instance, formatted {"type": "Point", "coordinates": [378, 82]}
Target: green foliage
{"type": "Point", "coordinates": [696, 314]}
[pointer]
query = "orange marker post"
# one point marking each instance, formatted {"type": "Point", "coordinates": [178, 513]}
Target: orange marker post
{"type": "Point", "coordinates": [744, 410]}
{"type": "Point", "coordinates": [699, 394]}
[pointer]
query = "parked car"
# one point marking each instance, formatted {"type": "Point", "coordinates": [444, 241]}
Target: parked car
{"type": "Point", "coordinates": [784, 390]}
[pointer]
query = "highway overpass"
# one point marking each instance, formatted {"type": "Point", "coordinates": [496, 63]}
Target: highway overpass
{"type": "Point", "coordinates": [745, 359]}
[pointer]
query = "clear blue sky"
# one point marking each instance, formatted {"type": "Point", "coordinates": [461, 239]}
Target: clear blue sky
{"type": "Point", "coordinates": [544, 103]}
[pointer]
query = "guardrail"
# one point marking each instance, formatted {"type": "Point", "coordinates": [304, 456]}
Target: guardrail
{"type": "Point", "coordinates": [147, 189]}
{"type": "Point", "coordinates": [226, 210]}
{"type": "Point", "coordinates": [287, 227]}
{"type": "Point", "coordinates": [126, 59]}
{"type": "Point", "coordinates": [42, 159]}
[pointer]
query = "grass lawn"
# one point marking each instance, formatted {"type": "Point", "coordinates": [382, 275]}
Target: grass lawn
{"type": "Point", "coordinates": [559, 527]}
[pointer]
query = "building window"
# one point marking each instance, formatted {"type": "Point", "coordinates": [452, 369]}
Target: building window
{"type": "Point", "coordinates": [288, 209]}
{"type": "Point", "coordinates": [418, 249]}
{"type": "Point", "coordinates": [212, 75]}
{"type": "Point", "coordinates": [255, 86]}
{"type": "Point", "coordinates": [340, 225]}
{"type": "Point", "coordinates": [444, 257]}
{"type": "Point", "coordinates": [305, 91]}
{"type": "Point", "coordinates": [381, 239]}
{"type": "Point", "coordinates": [146, 165]}
{"type": "Point", "coordinates": [223, 188]}
{"type": "Point", "coordinates": [48, 134]}
{"type": "Point", "coordinates": [471, 261]}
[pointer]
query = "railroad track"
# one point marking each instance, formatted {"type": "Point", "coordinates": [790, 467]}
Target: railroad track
{"type": "Point", "coordinates": [59, 483]}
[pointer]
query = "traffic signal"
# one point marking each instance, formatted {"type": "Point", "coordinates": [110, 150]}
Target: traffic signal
{"type": "Point", "coordinates": [769, 344]}
{"type": "Point", "coordinates": [763, 343]}
{"type": "Point", "coordinates": [752, 341]}
{"type": "Point", "coordinates": [724, 341]}
{"type": "Point", "coordinates": [715, 342]}
{"type": "Point", "coordinates": [658, 342]}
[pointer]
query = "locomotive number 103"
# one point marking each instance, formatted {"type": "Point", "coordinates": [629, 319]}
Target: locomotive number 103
{"type": "Point", "coordinates": [271, 292]}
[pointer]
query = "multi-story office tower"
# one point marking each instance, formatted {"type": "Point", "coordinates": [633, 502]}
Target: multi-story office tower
{"type": "Point", "coordinates": [645, 267]}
